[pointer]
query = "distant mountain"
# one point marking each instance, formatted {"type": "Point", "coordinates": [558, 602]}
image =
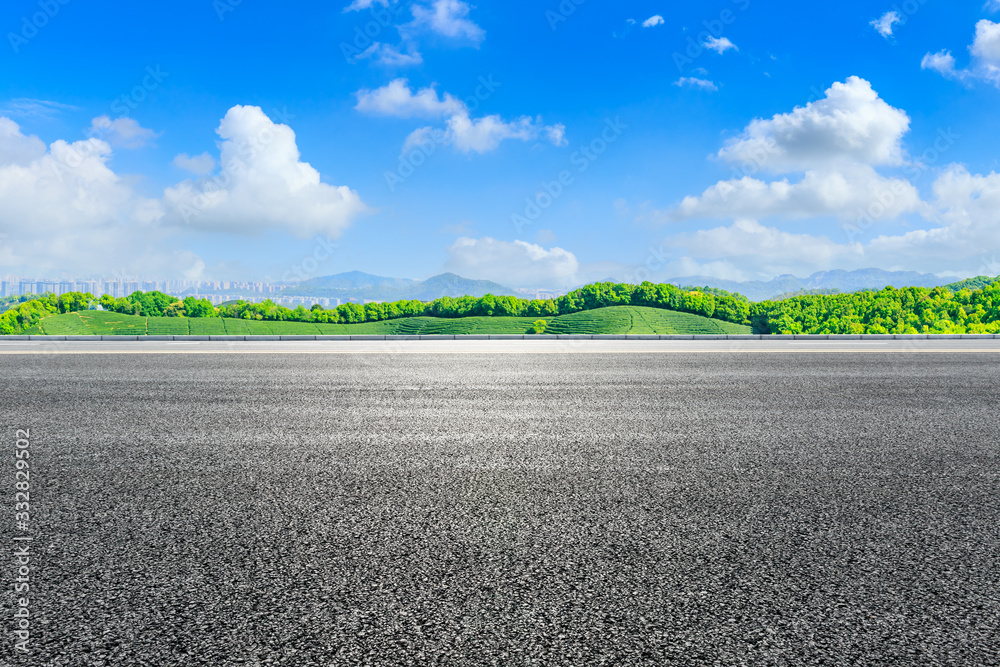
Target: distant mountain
{"type": "Point", "coordinates": [357, 280]}
{"type": "Point", "coordinates": [359, 287]}
{"type": "Point", "coordinates": [979, 282]}
{"type": "Point", "coordinates": [843, 281]}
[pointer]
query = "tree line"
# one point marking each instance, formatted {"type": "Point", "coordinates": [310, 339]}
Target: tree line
{"type": "Point", "coordinates": [891, 310]}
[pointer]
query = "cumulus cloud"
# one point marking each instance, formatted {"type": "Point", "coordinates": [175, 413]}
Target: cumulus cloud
{"type": "Point", "coordinates": [695, 82]}
{"type": "Point", "coordinates": [833, 193]}
{"type": "Point", "coordinates": [943, 63]}
{"type": "Point", "coordinates": [199, 165]}
{"type": "Point", "coordinates": [444, 18]}
{"type": "Point", "coordinates": [64, 209]}
{"type": "Point", "coordinates": [654, 20]}
{"type": "Point", "coordinates": [515, 264]}
{"type": "Point", "coordinates": [448, 18]}
{"type": "Point", "coordinates": [719, 44]}
{"type": "Point", "coordinates": [121, 132]}
{"type": "Point", "coordinates": [967, 226]}
{"type": "Point", "coordinates": [62, 205]}
{"type": "Point", "coordinates": [462, 131]}
{"type": "Point", "coordinates": [749, 238]}
{"type": "Point", "coordinates": [884, 24]}
{"type": "Point", "coordinates": [985, 52]}
{"type": "Point", "coordinates": [16, 148]}
{"type": "Point", "coordinates": [851, 124]}
{"type": "Point", "coordinates": [481, 135]}
{"type": "Point", "coordinates": [396, 99]}
{"type": "Point", "coordinates": [263, 185]}
{"type": "Point", "coordinates": [838, 144]}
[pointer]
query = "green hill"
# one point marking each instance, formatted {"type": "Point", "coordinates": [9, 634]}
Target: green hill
{"type": "Point", "coordinates": [612, 320]}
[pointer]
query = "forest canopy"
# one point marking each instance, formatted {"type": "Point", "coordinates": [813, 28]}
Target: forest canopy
{"type": "Point", "coordinates": [973, 308]}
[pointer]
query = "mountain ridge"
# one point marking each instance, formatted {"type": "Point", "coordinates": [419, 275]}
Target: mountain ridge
{"type": "Point", "coordinates": [358, 286]}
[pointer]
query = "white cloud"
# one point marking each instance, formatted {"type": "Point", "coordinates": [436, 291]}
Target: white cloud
{"type": "Point", "coordinates": [61, 206]}
{"type": "Point", "coordinates": [654, 20]}
{"type": "Point", "coordinates": [992, 6]}
{"type": "Point", "coordinates": [392, 56]}
{"type": "Point", "coordinates": [545, 236]}
{"type": "Point", "coordinates": [358, 5]}
{"type": "Point", "coordinates": [24, 107]}
{"type": "Point", "coordinates": [695, 82]}
{"type": "Point", "coordinates": [447, 18]}
{"type": "Point", "coordinates": [841, 193]}
{"type": "Point", "coordinates": [199, 165]}
{"type": "Point", "coordinates": [748, 238]}
{"type": "Point", "coordinates": [555, 134]}
{"type": "Point", "coordinates": [263, 185]}
{"type": "Point", "coordinates": [884, 23]}
{"type": "Point", "coordinates": [485, 134]}
{"type": "Point", "coordinates": [837, 143]}
{"type": "Point", "coordinates": [943, 63]}
{"type": "Point", "coordinates": [16, 148]}
{"type": "Point", "coordinates": [852, 124]}
{"type": "Point", "coordinates": [462, 131]}
{"type": "Point", "coordinates": [121, 132]}
{"type": "Point", "coordinates": [396, 99]}
{"type": "Point", "coordinates": [985, 51]}
{"type": "Point", "coordinates": [515, 264]}
{"type": "Point", "coordinates": [719, 44]}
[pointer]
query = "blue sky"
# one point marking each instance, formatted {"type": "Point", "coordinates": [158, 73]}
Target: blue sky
{"type": "Point", "coordinates": [737, 139]}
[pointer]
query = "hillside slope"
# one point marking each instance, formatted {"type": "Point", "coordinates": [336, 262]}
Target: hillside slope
{"type": "Point", "coordinates": [613, 320]}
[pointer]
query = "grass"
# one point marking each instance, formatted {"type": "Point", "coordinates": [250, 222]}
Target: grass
{"type": "Point", "coordinates": [103, 323]}
{"type": "Point", "coordinates": [613, 320]}
{"type": "Point", "coordinates": [168, 326]}
{"type": "Point", "coordinates": [207, 326]}
{"type": "Point", "coordinates": [640, 320]}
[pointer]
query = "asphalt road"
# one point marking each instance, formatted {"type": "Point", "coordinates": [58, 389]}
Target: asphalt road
{"type": "Point", "coordinates": [693, 508]}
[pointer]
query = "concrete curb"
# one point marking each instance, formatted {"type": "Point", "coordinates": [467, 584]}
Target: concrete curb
{"type": "Point", "coordinates": [542, 337]}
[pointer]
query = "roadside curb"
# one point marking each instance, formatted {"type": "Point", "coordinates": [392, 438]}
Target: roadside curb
{"type": "Point", "coordinates": [538, 337]}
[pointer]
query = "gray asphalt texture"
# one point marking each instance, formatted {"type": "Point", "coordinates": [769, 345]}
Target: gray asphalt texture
{"type": "Point", "coordinates": [535, 509]}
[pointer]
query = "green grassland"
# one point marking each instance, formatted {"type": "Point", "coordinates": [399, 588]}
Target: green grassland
{"type": "Point", "coordinates": [612, 320]}
{"type": "Point", "coordinates": [640, 320]}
